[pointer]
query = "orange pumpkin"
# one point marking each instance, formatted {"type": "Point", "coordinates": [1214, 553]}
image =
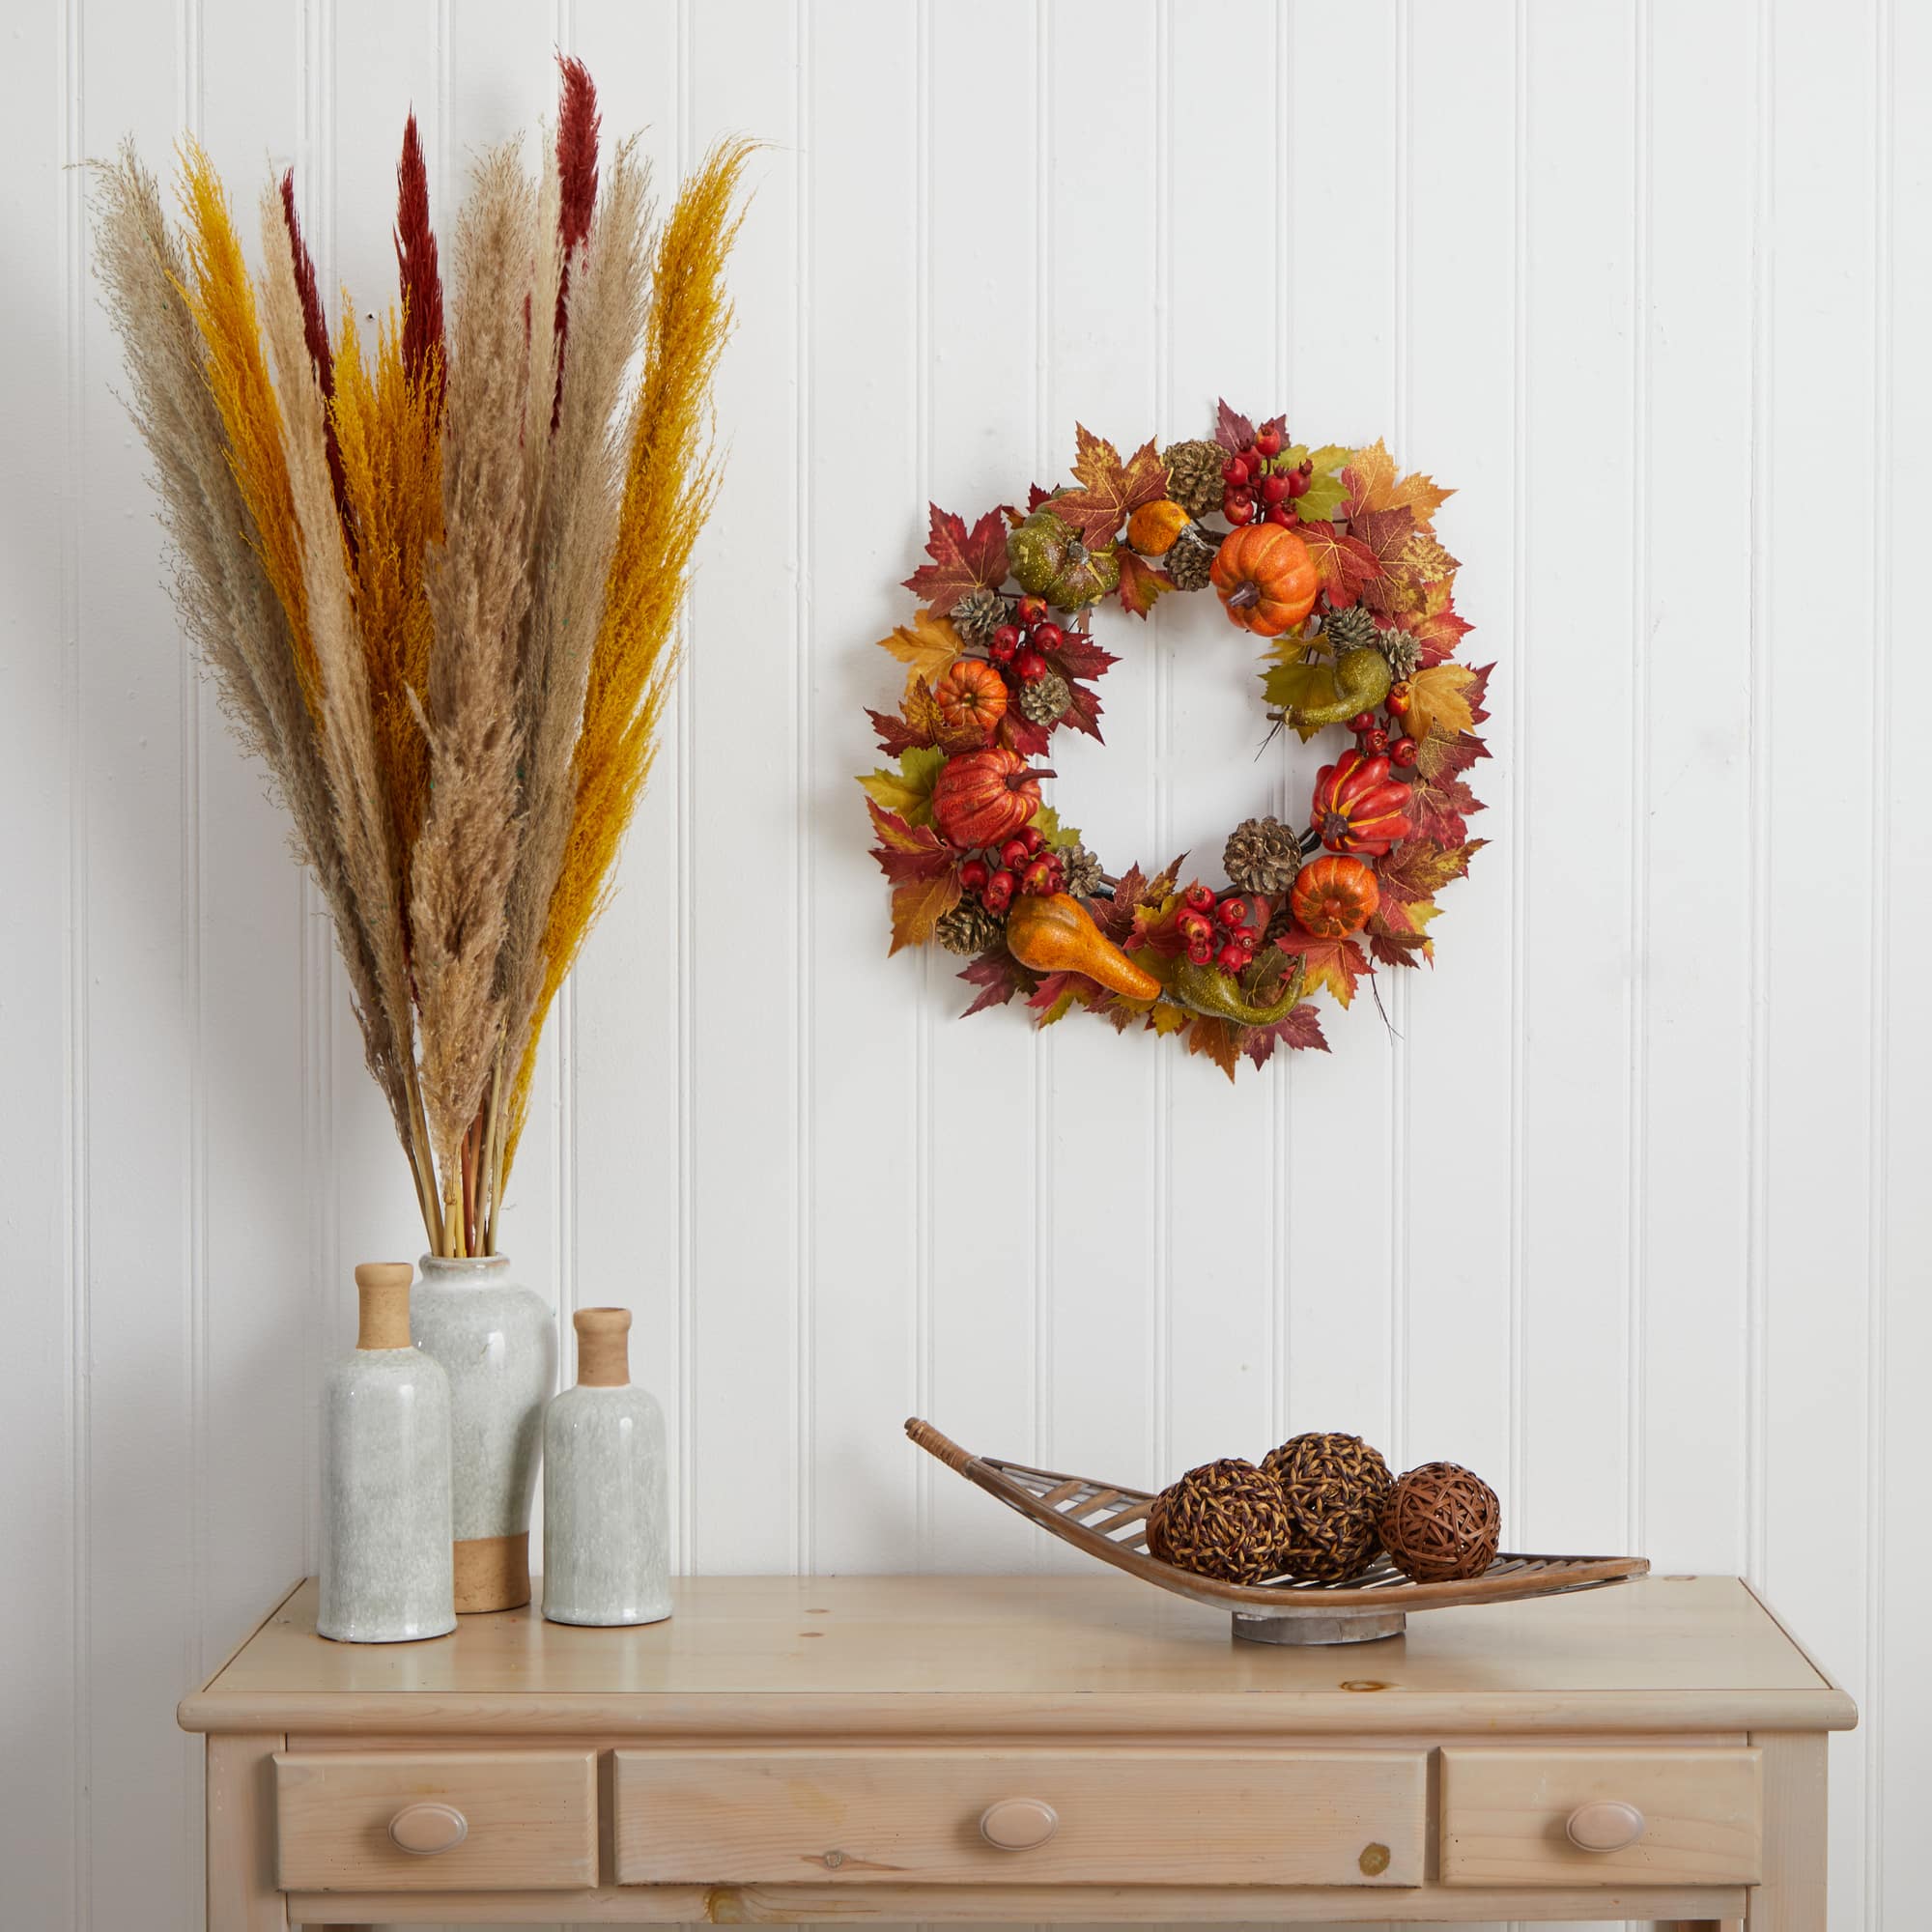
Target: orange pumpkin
{"type": "Point", "coordinates": [983, 797]}
{"type": "Point", "coordinates": [1356, 808]}
{"type": "Point", "coordinates": [1266, 578]}
{"type": "Point", "coordinates": [1334, 896]}
{"type": "Point", "coordinates": [1153, 528]}
{"type": "Point", "coordinates": [972, 692]}
{"type": "Point", "coordinates": [1056, 933]}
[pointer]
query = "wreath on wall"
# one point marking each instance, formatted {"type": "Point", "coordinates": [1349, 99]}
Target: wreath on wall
{"type": "Point", "coordinates": [1330, 557]}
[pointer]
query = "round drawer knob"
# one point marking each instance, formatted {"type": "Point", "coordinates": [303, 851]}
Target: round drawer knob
{"type": "Point", "coordinates": [1018, 1824]}
{"type": "Point", "coordinates": [1606, 1827]}
{"type": "Point", "coordinates": [424, 1829]}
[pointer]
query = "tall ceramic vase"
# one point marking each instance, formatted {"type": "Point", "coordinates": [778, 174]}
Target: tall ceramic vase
{"type": "Point", "coordinates": [606, 1492]}
{"type": "Point", "coordinates": [496, 1341]}
{"type": "Point", "coordinates": [386, 1556]}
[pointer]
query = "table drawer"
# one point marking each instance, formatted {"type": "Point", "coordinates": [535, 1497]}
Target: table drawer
{"type": "Point", "coordinates": [1064, 1817]}
{"type": "Point", "coordinates": [442, 1821]}
{"type": "Point", "coordinates": [1601, 1817]}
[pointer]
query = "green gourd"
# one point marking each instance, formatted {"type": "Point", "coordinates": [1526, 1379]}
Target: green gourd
{"type": "Point", "coordinates": [1362, 680]}
{"type": "Point", "coordinates": [1206, 989]}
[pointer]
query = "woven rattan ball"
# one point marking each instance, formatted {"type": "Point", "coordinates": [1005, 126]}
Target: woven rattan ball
{"type": "Point", "coordinates": [1335, 1485]}
{"type": "Point", "coordinates": [1440, 1523]}
{"type": "Point", "coordinates": [1227, 1519]}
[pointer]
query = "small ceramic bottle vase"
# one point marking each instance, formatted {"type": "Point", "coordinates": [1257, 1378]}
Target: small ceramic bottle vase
{"type": "Point", "coordinates": [606, 1506]}
{"type": "Point", "coordinates": [385, 1565]}
{"type": "Point", "coordinates": [496, 1341]}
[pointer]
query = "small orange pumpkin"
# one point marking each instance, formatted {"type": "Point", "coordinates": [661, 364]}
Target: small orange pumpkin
{"type": "Point", "coordinates": [1266, 578]}
{"type": "Point", "coordinates": [972, 692]}
{"type": "Point", "coordinates": [1153, 528]}
{"type": "Point", "coordinates": [983, 797]}
{"type": "Point", "coordinates": [1356, 807]}
{"type": "Point", "coordinates": [1334, 896]}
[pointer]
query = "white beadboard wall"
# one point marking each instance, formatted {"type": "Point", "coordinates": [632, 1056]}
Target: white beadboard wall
{"type": "Point", "coordinates": [1623, 1209]}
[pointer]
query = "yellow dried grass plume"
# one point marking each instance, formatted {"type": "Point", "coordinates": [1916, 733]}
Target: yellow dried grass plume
{"type": "Point", "coordinates": [222, 299]}
{"type": "Point", "coordinates": [669, 486]}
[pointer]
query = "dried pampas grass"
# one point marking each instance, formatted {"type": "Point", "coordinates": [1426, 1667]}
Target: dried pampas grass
{"type": "Point", "coordinates": [434, 580]}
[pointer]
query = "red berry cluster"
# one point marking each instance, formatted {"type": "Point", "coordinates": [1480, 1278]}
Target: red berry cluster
{"type": "Point", "coordinates": [1019, 649]}
{"type": "Point", "coordinates": [1374, 740]}
{"type": "Point", "coordinates": [1257, 482]}
{"type": "Point", "coordinates": [1024, 864]}
{"type": "Point", "coordinates": [1221, 932]}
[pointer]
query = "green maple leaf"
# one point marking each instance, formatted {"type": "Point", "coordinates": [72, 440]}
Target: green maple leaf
{"type": "Point", "coordinates": [908, 791]}
{"type": "Point", "coordinates": [1047, 822]}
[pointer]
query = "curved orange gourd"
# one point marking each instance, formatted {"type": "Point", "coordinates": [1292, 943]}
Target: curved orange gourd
{"type": "Point", "coordinates": [1057, 934]}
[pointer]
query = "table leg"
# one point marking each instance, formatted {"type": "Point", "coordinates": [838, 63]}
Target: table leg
{"type": "Point", "coordinates": [1792, 1895]}
{"type": "Point", "coordinates": [240, 1794]}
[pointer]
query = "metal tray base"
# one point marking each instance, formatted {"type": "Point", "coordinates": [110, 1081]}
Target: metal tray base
{"type": "Point", "coordinates": [1316, 1626]}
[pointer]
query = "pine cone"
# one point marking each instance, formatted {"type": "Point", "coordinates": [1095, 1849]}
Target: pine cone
{"type": "Point", "coordinates": [1403, 653]}
{"type": "Point", "coordinates": [1189, 562]}
{"type": "Point", "coordinates": [978, 614]}
{"type": "Point", "coordinates": [969, 928]}
{"type": "Point", "coordinates": [1045, 698]}
{"type": "Point", "coordinates": [1280, 924]}
{"type": "Point", "coordinates": [1262, 856]}
{"type": "Point", "coordinates": [1081, 870]}
{"type": "Point", "coordinates": [1350, 630]}
{"type": "Point", "coordinates": [1194, 474]}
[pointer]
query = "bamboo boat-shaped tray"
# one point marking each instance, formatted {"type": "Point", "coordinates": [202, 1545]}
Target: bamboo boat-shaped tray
{"type": "Point", "coordinates": [1109, 1522]}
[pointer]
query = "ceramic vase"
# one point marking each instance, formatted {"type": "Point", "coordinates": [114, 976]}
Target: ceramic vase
{"type": "Point", "coordinates": [496, 1341]}
{"type": "Point", "coordinates": [385, 1513]}
{"type": "Point", "coordinates": [607, 1494]}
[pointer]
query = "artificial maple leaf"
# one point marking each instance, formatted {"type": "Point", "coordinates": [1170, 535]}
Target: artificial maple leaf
{"type": "Point", "coordinates": [1057, 994]}
{"type": "Point", "coordinates": [897, 735]}
{"type": "Point", "coordinates": [1234, 431]}
{"type": "Point", "coordinates": [1348, 565]}
{"type": "Point", "coordinates": [1301, 686]}
{"type": "Point", "coordinates": [1436, 627]}
{"type": "Point", "coordinates": [922, 713]}
{"type": "Point", "coordinates": [1154, 927]}
{"type": "Point", "coordinates": [1417, 869]}
{"type": "Point", "coordinates": [1387, 948]}
{"type": "Point", "coordinates": [1218, 1040]}
{"type": "Point", "coordinates": [1327, 493]}
{"type": "Point", "coordinates": [908, 852]}
{"type": "Point", "coordinates": [1017, 733]}
{"type": "Point", "coordinates": [1079, 656]}
{"type": "Point", "coordinates": [908, 791]}
{"type": "Point", "coordinates": [962, 560]}
{"type": "Point", "coordinates": [1398, 930]}
{"type": "Point", "coordinates": [1436, 808]}
{"type": "Point", "coordinates": [1373, 486]}
{"type": "Point", "coordinates": [1445, 755]}
{"type": "Point", "coordinates": [1141, 584]}
{"type": "Point", "coordinates": [1300, 1030]}
{"type": "Point", "coordinates": [1385, 535]}
{"type": "Point", "coordinates": [1115, 916]}
{"type": "Point", "coordinates": [1111, 491]}
{"type": "Point", "coordinates": [1061, 838]}
{"type": "Point", "coordinates": [920, 904]}
{"type": "Point", "coordinates": [999, 976]}
{"type": "Point", "coordinates": [1164, 1017]}
{"type": "Point", "coordinates": [926, 647]}
{"type": "Point", "coordinates": [1083, 710]}
{"type": "Point", "coordinates": [1438, 700]}
{"type": "Point", "coordinates": [1333, 963]}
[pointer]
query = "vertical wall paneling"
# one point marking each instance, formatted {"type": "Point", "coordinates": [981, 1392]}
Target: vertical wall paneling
{"type": "Point", "coordinates": [1623, 1206]}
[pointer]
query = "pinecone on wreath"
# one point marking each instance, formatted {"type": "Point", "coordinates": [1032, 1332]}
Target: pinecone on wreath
{"type": "Point", "coordinates": [1189, 562]}
{"type": "Point", "coordinates": [1045, 698]}
{"type": "Point", "coordinates": [1404, 654]}
{"type": "Point", "coordinates": [1350, 630]}
{"type": "Point", "coordinates": [969, 928]}
{"type": "Point", "coordinates": [978, 614]}
{"type": "Point", "coordinates": [1194, 474]}
{"type": "Point", "coordinates": [1080, 871]}
{"type": "Point", "coordinates": [1263, 855]}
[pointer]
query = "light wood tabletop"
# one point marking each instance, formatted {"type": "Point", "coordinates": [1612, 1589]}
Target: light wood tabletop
{"type": "Point", "coordinates": [1023, 1747]}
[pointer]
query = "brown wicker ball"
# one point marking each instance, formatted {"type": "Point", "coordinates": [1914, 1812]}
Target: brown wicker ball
{"type": "Point", "coordinates": [1335, 1485]}
{"type": "Point", "coordinates": [1441, 1522]}
{"type": "Point", "coordinates": [1227, 1519]}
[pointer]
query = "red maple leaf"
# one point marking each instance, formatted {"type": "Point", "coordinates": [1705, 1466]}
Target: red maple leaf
{"type": "Point", "coordinates": [1445, 754]}
{"type": "Point", "coordinates": [999, 976]}
{"type": "Point", "coordinates": [907, 853]}
{"type": "Point", "coordinates": [1346, 564]}
{"type": "Point", "coordinates": [1111, 491]}
{"type": "Point", "coordinates": [1418, 869]}
{"type": "Point", "coordinates": [897, 735]}
{"type": "Point", "coordinates": [1083, 710]}
{"type": "Point", "coordinates": [1437, 631]}
{"type": "Point", "coordinates": [962, 560]}
{"type": "Point", "coordinates": [1142, 584]}
{"type": "Point", "coordinates": [1395, 949]}
{"type": "Point", "coordinates": [1052, 985]}
{"type": "Point", "coordinates": [1079, 656]}
{"type": "Point", "coordinates": [1115, 916]}
{"type": "Point", "coordinates": [1019, 733]}
{"type": "Point", "coordinates": [1300, 1030]}
{"type": "Point", "coordinates": [1384, 534]}
{"type": "Point", "coordinates": [1334, 963]}
{"type": "Point", "coordinates": [1234, 431]}
{"type": "Point", "coordinates": [1437, 808]}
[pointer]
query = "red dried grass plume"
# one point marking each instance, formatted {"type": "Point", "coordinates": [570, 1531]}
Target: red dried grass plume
{"type": "Point", "coordinates": [578, 129]}
{"type": "Point", "coordinates": [416, 267]}
{"type": "Point", "coordinates": [315, 336]}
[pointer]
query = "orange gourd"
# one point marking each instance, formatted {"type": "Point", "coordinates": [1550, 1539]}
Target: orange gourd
{"type": "Point", "coordinates": [1153, 528]}
{"type": "Point", "coordinates": [1057, 934]}
{"type": "Point", "coordinates": [983, 797]}
{"type": "Point", "coordinates": [1334, 896]}
{"type": "Point", "coordinates": [972, 692]}
{"type": "Point", "coordinates": [1356, 807]}
{"type": "Point", "coordinates": [1265, 579]}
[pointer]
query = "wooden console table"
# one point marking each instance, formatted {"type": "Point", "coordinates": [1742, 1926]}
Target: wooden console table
{"type": "Point", "coordinates": [1079, 1749]}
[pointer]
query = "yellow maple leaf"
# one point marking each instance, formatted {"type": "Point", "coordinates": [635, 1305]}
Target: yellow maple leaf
{"type": "Point", "coordinates": [1373, 471]}
{"type": "Point", "coordinates": [926, 647]}
{"type": "Point", "coordinates": [908, 791]}
{"type": "Point", "coordinates": [1438, 697]}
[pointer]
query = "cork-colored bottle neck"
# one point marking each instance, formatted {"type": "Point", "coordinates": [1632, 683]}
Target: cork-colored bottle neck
{"type": "Point", "coordinates": [603, 1347]}
{"type": "Point", "coordinates": [383, 1291]}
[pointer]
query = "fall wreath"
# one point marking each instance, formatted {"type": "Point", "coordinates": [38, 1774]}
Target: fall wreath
{"type": "Point", "coordinates": [1328, 554]}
